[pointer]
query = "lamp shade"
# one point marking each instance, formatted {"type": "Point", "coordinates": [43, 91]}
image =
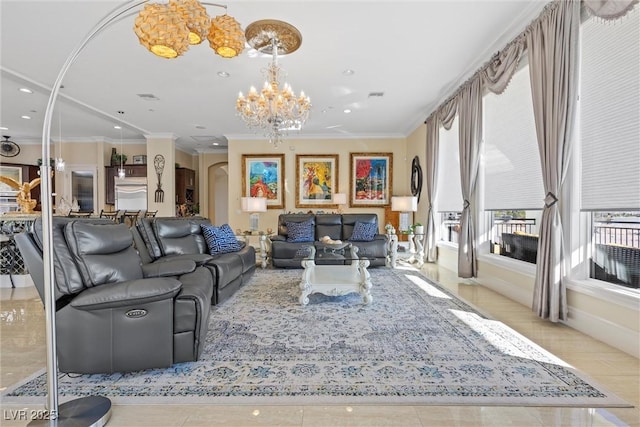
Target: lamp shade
{"type": "Point", "coordinates": [226, 37]}
{"type": "Point", "coordinates": [404, 203]}
{"type": "Point", "coordinates": [162, 30]}
{"type": "Point", "coordinates": [254, 204]}
{"type": "Point", "coordinates": [340, 198]}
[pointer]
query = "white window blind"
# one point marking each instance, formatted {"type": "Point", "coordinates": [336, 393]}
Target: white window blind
{"type": "Point", "coordinates": [513, 176]}
{"type": "Point", "coordinates": [610, 117]}
{"type": "Point", "coordinates": [449, 192]}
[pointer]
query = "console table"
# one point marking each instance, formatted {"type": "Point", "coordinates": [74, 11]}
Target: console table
{"type": "Point", "coordinates": [335, 279]}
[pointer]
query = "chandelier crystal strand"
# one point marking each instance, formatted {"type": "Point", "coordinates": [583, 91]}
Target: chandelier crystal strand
{"type": "Point", "coordinates": [274, 110]}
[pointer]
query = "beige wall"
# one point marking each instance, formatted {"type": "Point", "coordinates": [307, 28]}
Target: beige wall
{"type": "Point", "coordinates": [416, 146]}
{"type": "Point", "coordinates": [206, 196]}
{"type": "Point", "coordinates": [291, 147]}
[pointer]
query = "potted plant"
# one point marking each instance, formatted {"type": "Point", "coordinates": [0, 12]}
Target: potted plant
{"type": "Point", "coordinates": [116, 159]}
{"type": "Point", "coordinates": [418, 228]}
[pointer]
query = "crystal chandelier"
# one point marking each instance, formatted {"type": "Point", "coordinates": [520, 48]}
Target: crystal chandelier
{"type": "Point", "coordinates": [275, 110]}
{"type": "Point", "coordinates": [167, 30]}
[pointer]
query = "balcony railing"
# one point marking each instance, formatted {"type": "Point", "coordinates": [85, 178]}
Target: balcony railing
{"type": "Point", "coordinates": [616, 252]}
{"type": "Point", "coordinates": [515, 238]}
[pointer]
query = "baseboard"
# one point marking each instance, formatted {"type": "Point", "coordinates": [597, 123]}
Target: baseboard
{"type": "Point", "coordinates": [19, 280]}
{"type": "Point", "coordinates": [615, 335]}
{"type": "Point", "coordinates": [506, 288]}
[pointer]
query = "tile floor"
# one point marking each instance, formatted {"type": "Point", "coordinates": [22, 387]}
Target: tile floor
{"type": "Point", "coordinates": [22, 341]}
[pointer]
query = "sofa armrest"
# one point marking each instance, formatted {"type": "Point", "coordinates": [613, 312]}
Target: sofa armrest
{"type": "Point", "coordinates": [168, 268]}
{"type": "Point", "coordinates": [278, 238]}
{"type": "Point", "coordinates": [125, 294]}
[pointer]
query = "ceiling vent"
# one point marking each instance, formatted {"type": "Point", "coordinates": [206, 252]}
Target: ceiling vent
{"type": "Point", "coordinates": [148, 97]}
{"type": "Point", "coordinates": [376, 94]}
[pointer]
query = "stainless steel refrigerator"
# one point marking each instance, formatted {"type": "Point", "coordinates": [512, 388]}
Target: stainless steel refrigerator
{"type": "Point", "coordinates": [131, 193]}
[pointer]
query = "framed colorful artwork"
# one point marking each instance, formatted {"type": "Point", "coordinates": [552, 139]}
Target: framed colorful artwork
{"type": "Point", "coordinates": [263, 176]}
{"type": "Point", "coordinates": [370, 179]}
{"type": "Point", "coordinates": [316, 180]}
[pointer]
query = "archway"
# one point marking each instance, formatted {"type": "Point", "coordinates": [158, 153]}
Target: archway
{"type": "Point", "coordinates": [218, 200]}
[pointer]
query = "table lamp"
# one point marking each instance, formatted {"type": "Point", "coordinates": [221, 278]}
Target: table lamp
{"type": "Point", "coordinates": [340, 199]}
{"type": "Point", "coordinates": [254, 205]}
{"type": "Point", "coordinates": [404, 205]}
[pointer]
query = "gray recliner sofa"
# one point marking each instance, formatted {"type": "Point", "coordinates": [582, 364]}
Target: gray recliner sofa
{"type": "Point", "coordinates": [114, 314]}
{"type": "Point", "coordinates": [165, 239]}
{"type": "Point", "coordinates": [338, 227]}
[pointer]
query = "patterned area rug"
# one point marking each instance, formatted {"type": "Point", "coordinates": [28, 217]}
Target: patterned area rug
{"type": "Point", "coordinates": [415, 344]}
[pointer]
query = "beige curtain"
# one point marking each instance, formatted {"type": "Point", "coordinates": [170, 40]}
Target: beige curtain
{"type": "Point", "coordinates": [498, 72]}
{"type": "Point", "coordinates": [470, 132]}
{"type": "Point", "coordinates": [553, 60]}
{"type": "Point", "coordinates": [431, 168]}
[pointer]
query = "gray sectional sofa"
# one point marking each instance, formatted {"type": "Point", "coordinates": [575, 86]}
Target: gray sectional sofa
{"type": "Point", "coordinates": [166, 239]}
{"type": "Point", "coordinates": [288, 254]}
{"type": "Point", "coordinates": [114, 314]}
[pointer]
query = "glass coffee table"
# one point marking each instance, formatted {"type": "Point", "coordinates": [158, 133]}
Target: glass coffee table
{"type": "Point", "coordinates": [335, 270]}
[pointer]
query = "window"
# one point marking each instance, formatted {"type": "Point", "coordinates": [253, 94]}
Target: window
{"type": "Point", "coordinates": [513, 188]}
{"type": "Point", "coordinates": [610, 147]}
{"type": "Point", "coordinates": [449, 192]}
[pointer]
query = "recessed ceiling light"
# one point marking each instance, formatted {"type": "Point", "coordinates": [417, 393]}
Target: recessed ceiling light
{"type": "Point", "coordinates": [347, 110]}
{"type": "Point", "coordinates": [223, 74]}
{"type": "Point", "coordinates": [216, 143]}
{"type": "Point", "coordinates": [117, 127]}
{"type": "Point", "coordinates": [25, 90]}
{"type": "Point", "coordinates": [26, 117]}
{"type": "Point", "coordinates": [3, 128]}
{"type": "Point", "coordinates": [348, 72]}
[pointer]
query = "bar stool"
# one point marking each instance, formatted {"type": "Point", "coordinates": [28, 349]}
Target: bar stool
{"type": "Point", "coordinates": [113, 216]}
{"type": "Point", "coordinates": [130, 217]}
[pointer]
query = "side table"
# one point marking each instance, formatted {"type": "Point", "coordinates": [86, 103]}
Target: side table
{"type": "Point", "coordinates": [262, 245]}
{"type": "Point", "coordinates": [414, 254]}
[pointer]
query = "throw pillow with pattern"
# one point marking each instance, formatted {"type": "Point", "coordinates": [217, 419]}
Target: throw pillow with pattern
{"type": "Point", "coordinates": [300, 231]}
{"type": "Point", "coordinates": [220, 240]}
{"type": "Point", "coordinates": [363, 232]}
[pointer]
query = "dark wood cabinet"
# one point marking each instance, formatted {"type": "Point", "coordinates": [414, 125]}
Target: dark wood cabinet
{"type": "Point", "coordinates": [112, 171]}
{"type": "Point", "coordinates": [185, 186]}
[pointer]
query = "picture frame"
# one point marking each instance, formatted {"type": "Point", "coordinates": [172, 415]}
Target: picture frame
{"type": "Point", "coordinates": [263, 176]}
{"type": "Point", "coordinates": [370, 179]}
{"type": "Point", "coordinates": [316, 180]}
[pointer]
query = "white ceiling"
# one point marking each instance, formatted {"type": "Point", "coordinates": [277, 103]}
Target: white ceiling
{"type": "Point", "coordinates": [416, 52]}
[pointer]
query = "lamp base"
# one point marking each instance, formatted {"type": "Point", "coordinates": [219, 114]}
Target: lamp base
{"type": "Point", "coordinates": [254, 217]}
{"type": "Point", "coordinates": [91, 411]}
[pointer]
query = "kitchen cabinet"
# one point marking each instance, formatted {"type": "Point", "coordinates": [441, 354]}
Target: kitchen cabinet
{"type": "Point", "coordinates": [112, 171]}
{"type": "Point", "coordinates": [185, 186]}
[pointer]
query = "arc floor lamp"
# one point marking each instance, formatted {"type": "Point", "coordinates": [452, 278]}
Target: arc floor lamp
{"type": "Point", "coordinates": [91, 410]}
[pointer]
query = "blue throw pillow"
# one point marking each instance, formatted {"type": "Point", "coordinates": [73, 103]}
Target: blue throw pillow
{"type": "Point", "coordinates": [363, 232]}
{"type": "Point", "coordinates": [300, 231]}
{"type": "Point", "coordinates": [220, 240]}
